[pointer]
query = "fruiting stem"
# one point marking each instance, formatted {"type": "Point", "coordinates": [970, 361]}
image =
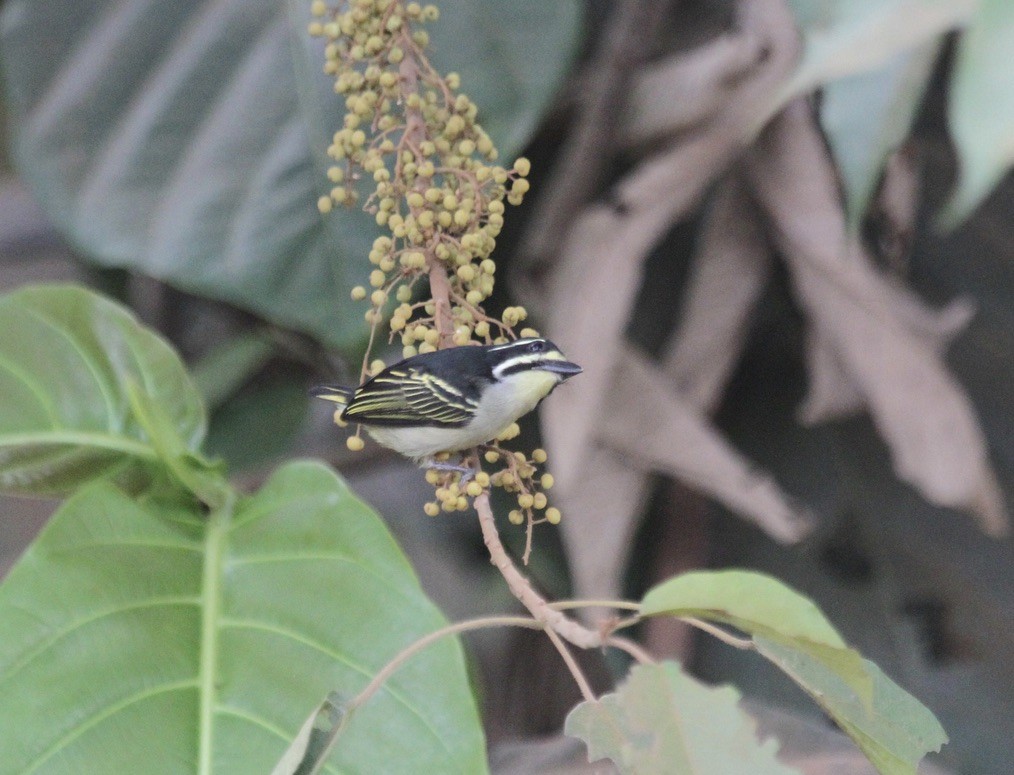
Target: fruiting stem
{"type": "Point", "coordinates": [522, 588]}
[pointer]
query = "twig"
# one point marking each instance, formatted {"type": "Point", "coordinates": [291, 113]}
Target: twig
{"type": "Point", "coordinates": [632, 648]}
{"type": "Point", "coordinates": [522, 588]}
{"type": "Point", "coordinates": [745, 644]}
{"type": "Point", "coordinates": [403, 656]}
{"type": "Point", "coordinates": [575, 670]}
{"type": "Point", "coordinates": [566, 605]}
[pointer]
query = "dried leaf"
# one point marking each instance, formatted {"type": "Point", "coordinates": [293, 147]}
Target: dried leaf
{"type": "Point", "coordinates": [610, 495]}
{"type": "Point", "coordinates": [588, 305]}
{"type": "Point", "coordinates": [922, 412]}
{"type": "Point", "coordinates": [684, 90]}
{"type": "Point", "coordinates": [670, 436]}
{"type": "Point", "coordinates": [596, 280]}
{"type": "Point", "coordinates": [727, 277]}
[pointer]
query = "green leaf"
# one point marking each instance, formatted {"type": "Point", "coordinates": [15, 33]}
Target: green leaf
{"type": "Point", "coordinates": [894, 730]}
{"type": "Point", "coordinates": [845, 37]}
{"type": "Point", "coordinates": [981, 106]}
{"type": "Point", "coordinates": [867, 116]}
{"type": "Point", "coordinates": [140, 636]}
{"type": "Point", "coordinates": [187, 140]}
{"type": "Point", "coordinates": [229, 365]}
{"type": "Point", "coordinates": [663, 721]}
{"type": "Point", "coordinates": [67, 359]}
{"type": "Point", "coordinates": [259, 424]}
{"type": "Point", "coordinates": [759, 604]}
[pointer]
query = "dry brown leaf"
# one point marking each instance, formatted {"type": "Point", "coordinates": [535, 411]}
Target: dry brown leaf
{"type": "Point", "coordinates": [922, 412]}
{"type": "Point", "coordinates": [832, 393]}
{"type": "Point", "coordinates": [672, 437]}
{"type": "Point", "coordinates": [599, 523]}
{"type": "Point", "coordinates": [588, 303]}
{"type": "Point", "coordinates": [596, 280]}
{"type": "Point", "coordinates": [728, 275]}
{"type": "Point", "coordinates": [684, 90]}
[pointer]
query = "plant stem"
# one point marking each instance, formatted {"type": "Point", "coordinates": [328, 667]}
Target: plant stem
{"type": "Point", "coordinates": [746, 644]}
{"type": "Point", "coordinates": [575, 669]}
{"type": "Point", "coordinates": [401, 658]}
{"type": "Point", "coordinates": [632, 648]}
{"type": "Point", "coordinates": [211, 601]}
{"type": "Point", "coordinates": [522, 588]}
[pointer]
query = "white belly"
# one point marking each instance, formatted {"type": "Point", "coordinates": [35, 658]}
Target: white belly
{"type": "Point", "coordinates": [502, 404]}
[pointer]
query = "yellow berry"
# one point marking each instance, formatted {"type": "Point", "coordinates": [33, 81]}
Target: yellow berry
{"type": "Point", "coordinates": [462, 503]}
{"type": "Point", "coordinates": [431, 509]}
{"type": "Point", "coordinates": [474, 488]}
{"type": "Point", "coordinates": [516, 517]}
{"type": "Point", "coordinates": [432, 475]}
{"type": "Point", "coordinates": [539, 455]}
{"type": "Point", "coordinates": [377, 366]}
{"type": "Point", "coordinates": [482, 478]}
{"type": "Point", "coordinates": [377, 278]}
{"type": "Point", "coordinates": [408, 351]}
{"type": "Point", "coordinates": [324, 204]}
{"type": "Point", "coordinates": [492, 457]}
{"type": "Point", "coordinates": [358, 293]}
{"type": "Point", "coordinates": [540, 500]}
{"type": "Point", "coordinates": [522, 166]}
{"type": "Point", "coordinates": [481, 328]}
{"type": "Point", "coordinates": [529, 332]}
{"type": "Point", "coordinates": [525, 500]}
{"type": "Point", "coordinates": [338, 417]}
{"type": "Point", "coordinates": [547, 481]}
{"type": "Point", "coordinates": [354, 443]}
{"type": "Point", "coordinates": [510, 432]}
{"type": "Point", "coordinates": [553, 515]}
{"type": "Point", "coordinates": [378, 297]}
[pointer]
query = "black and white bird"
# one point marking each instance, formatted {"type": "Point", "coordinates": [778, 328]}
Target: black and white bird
{"type": "Point", "coordinates": [453, 399]}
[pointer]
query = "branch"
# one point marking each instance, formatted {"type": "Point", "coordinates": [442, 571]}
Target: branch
{"type": "Point", "coordinates": [522, 588]}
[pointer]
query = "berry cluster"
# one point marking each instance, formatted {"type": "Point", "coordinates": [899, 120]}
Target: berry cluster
{"type": "Point", "coordinates": [437, 189]}
{"type": "Point", "coordinates": [439, 194]}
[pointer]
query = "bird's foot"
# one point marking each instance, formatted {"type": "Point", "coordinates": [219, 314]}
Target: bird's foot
{"type": "Point", "coordinates": [467, 472]}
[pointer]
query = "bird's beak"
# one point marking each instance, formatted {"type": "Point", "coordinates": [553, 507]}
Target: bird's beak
{"type": "Point", "coordinates": [563, 368]}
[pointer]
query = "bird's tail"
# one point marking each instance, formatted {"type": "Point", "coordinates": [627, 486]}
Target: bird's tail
{"type": "Point", "coordinates": [339, 394]}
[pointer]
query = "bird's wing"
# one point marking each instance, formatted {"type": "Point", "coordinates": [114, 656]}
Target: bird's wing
{"type": "Point", "coordinates": [410, 397]}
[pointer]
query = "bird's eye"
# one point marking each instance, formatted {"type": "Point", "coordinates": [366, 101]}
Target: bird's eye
{"type": "Point", "coordinates": [538, 346]}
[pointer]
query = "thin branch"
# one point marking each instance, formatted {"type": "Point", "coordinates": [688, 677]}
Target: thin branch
{"type": "Point", "coordinates": [632, 648]}
{"type": "Point", "coordinates": [402, 657]}
{"type": "Point", "coordinates": [575, 670]}
{"type": "Point", "coordinates": [522, 588]}
{"type": "Point", "coordinates": [745, 644]}
{"type": "Point", "coordinates": [566, 605]}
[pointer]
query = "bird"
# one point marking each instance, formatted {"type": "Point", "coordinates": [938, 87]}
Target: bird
{"type": "Point", "coordinates": [453, 399]}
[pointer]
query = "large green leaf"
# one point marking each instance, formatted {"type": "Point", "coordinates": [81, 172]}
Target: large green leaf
{"type": "Point", "coordinates": [663, 721]}
{"type": "Point", "coordinates": [69, 360]}
{"type": "Point", "coordinates": [186, 139]}
{"type": "Point", "coordinates": [759, 604]}
{"type": "Point", "coordinates": [867, 116]}
{"type": "Point", "coordinates": [894, 730]}
{"type": "Point", "coordinates": [142, 636]}
{"type": "Point", "coordinates": [981, 109]}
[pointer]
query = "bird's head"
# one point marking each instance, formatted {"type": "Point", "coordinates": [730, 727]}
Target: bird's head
{"type": "Point", "coordinates": [530, 356]}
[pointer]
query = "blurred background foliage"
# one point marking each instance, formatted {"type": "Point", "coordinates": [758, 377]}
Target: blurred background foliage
{"type": "Point", "coordinates": [799, 215]}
